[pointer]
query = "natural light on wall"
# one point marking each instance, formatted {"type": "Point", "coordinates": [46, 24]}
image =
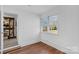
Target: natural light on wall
{"type": "Point", "coordinates": [49, 24]}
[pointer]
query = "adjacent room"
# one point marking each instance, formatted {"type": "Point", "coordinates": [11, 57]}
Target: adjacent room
{"type": "Point", "coordinates": [39, 29]}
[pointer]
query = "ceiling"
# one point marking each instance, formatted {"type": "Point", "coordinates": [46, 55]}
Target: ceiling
{"type": "Point", "coordinates": [36, 9]}
{"type": "Point", "coordinates": [39, 9]}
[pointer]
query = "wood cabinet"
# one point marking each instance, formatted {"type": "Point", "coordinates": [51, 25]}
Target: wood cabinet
{"type": "Point", "coordinates": [9, 27]}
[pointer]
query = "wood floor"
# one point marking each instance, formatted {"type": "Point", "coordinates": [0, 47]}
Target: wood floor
{"type": "Point", "coordinates": [37, 48]}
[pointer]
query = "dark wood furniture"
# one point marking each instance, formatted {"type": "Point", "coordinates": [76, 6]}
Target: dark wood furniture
{"type": "Point", "coordinates": [9, 27]}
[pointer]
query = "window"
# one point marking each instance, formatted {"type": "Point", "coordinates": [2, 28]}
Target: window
{"type": "Point", "coordinates": [44, 24]}
{"type": "Point", "coordinates": [49, 24]}
{"type": "Point", "coordinates": [53, 24]}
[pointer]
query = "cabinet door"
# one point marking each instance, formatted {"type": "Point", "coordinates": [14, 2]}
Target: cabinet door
{"type": "Point", "coordinates": [6, 27]}
{"type": "Point", "coordinates": [11, 27]}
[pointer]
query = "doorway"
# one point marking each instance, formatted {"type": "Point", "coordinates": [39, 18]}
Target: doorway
{"type": "Point", "coordinates": [9, 32]}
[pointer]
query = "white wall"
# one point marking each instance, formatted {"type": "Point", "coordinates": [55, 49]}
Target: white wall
{"type": "Point", "coordinates": [68, 26]}
{"type": "Point", "coordinates": [28, 25]}
{"type": "Point", "coordinates": [29, 28]}
{"type": "Point", "coordinates": [0, 29]}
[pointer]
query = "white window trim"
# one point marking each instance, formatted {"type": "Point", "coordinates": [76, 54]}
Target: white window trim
{"type": "Point", "coordinates": [49, 29]}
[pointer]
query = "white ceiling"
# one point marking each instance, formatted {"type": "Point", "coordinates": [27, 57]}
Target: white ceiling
{"type": "Point", "coordinates": [36, 9]}
{"type": "Point", "coordinates": [39, 9]}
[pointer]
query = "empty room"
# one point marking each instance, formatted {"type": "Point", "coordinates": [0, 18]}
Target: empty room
{"type": "Point", "coordinates": [39, 29]}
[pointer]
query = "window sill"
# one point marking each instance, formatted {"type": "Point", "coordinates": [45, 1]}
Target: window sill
{"type": "Point", "coordinates": [50, 33]}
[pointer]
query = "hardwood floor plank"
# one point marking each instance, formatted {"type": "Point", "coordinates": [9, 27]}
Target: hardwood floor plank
{"type": "Point", "coordinates": [37, 48]}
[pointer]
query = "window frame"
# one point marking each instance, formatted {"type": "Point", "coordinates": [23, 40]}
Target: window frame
{"type": "Point", "coordinates": [48, 26]}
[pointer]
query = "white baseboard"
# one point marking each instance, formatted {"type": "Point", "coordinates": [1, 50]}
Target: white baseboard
{"type": "Point", "coordinates": [63, 49]}
{"type": "Point", "coordinates": [33, 42]}
{"type": "Point", "coordinates": [52, 44]}
{"type": "Point", "coordinates": [11, 47]}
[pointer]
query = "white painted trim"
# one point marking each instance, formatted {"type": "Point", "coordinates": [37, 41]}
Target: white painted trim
{"type": "Point", "coordinates": [11, 47]}
{"type": "Point", "coordinates": [2, 13]}
{"type": "Point", "coordinates": [40, 28]}
{"type": "Point", "coordinates": [19, 46]}
{"type": "Point", "coordinates": [68, 51]}
{"type": "Point", "coordinates": [29, 43]}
